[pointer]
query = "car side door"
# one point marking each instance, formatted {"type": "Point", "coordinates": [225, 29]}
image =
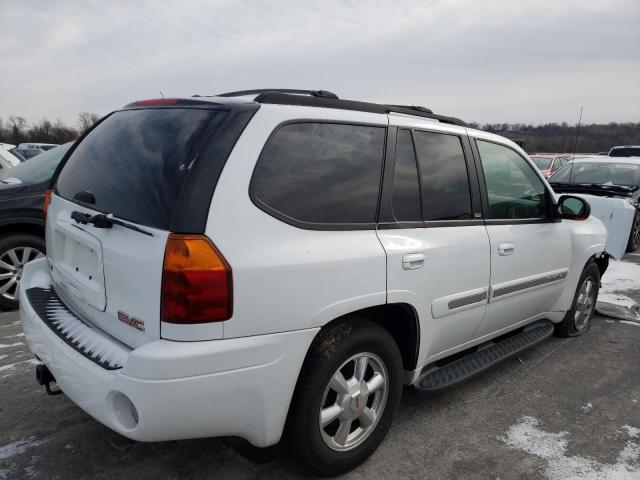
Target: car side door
{"type": "Point", "coordinates": [530, 247]}
{"type": "Point", "coordinates": [437, 248]}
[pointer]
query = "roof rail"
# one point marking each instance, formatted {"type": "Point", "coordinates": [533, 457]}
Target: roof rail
{"type": "Point", "coordinates": [417, 108]}
{"type": "Point", "coordinates": [279, 98]}
{"type": "Point", "coordinates": [313, 93]}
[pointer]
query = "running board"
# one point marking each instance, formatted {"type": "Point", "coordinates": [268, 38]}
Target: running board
{"type": "Point", "coordinates": [434, 378]}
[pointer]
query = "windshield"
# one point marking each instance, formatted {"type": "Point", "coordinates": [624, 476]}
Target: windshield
{"type": "Point", "coordinates": [601, 173]}
{"type": "Point", "coordinates": [39, 168]}
{"type": "Point", "coordinates": [542, 163]}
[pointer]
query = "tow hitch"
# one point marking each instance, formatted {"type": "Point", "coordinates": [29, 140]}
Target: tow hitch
{"type": "Point", "coordinates": [45, 377]}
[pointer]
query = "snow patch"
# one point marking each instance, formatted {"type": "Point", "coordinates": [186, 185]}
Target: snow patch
{"type": "Point", "coordinates": [620, 277]}
{"type": "Point", "coordinates": [19, 446]}
{"type": "Point", "coordinates": [552, 447]}
{"type": "Point", "coordinates": [587, 407]}
{"type": "Point", "coordinates": [632, 431]}
{"type": "Point", "coordinates": [12, 345]}
{"type": "Point", "coordinates": [11, 366]}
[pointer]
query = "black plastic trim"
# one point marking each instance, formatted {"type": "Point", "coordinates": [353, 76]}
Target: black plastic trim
{"type": "Point", "coordinates": [276, 98]}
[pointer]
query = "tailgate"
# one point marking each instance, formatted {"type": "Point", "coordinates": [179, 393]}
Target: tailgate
{"type": "Point", "coordinates": [111, 277]}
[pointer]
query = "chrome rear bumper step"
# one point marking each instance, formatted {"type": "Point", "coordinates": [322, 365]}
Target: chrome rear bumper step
{"type": "Point", "coordinates": [435, 378]}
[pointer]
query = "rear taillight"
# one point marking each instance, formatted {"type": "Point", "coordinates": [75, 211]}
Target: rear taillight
{"type": "Point", "coordinates": [196, 281]}
{"type": "Point", "coordinates": [47, 201]}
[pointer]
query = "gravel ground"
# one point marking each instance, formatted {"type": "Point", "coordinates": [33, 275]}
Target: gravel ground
{"type": "Point", "coordinates": [566, 408]}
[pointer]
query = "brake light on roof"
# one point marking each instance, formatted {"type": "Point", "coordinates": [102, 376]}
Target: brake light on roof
{"type": "Point", "coordinates": [196, 281]}
{"type": "Point", "coordinates": [156, 101]}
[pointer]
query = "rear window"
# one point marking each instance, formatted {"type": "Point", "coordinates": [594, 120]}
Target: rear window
{"type": "Point", "coordinates": [625, 152]}
{"type": "Point", "coordinates": [135, 162]}
{"type": "Point", "coordinates": [320, 173]}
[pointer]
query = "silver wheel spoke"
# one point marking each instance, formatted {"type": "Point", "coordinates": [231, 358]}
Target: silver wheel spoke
{"type": "Point", "coordinates": [342, 434]}
{"type": "Point", "coordinates": [39, 255]}
{"type": "Point", "coordinates": [375, 383]}
{"type": "Point", "coordinates": [13, 257]}
{"type": "Point", "coordinates": [367, 417]}
{"type": "Point", "coordinates": [329, 414]}
{"type": "Point", "coordinates": [6, 266]}
{"type": "Point", "coordinates": [26, 253]}
{"type": "Point", "coordinates": [338, 383]}
{"type": "Point", "coordinates": [8, 285]}
{"type": "Point", "coordinates": [4, 276]}
{"type": "Point", "coordinates": [360, 368]}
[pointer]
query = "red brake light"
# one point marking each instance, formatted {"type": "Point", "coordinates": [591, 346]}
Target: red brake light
{"type": "Point", "coordinates": [47, 201]}
{"type": "Point", "coordinates": [156, 101]}
{"type": "Point", "coordinates": [196, 281]}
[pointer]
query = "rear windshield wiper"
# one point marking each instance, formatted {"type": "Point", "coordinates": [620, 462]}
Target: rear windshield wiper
{"type": "Point", "coordinates": [105, 220]}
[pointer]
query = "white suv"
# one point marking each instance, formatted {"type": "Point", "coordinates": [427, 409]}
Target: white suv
{"type": "Point", "coordinates": [260, 264]}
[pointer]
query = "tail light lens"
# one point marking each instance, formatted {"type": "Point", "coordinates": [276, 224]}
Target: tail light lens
{"type": "Point", "coordinates": [196, 281]}
{"type": "Point", "coordinates": [47, 201]}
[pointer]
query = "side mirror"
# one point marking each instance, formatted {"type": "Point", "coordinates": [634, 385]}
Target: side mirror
{"type": "Point", "coordinates": [573, 208]}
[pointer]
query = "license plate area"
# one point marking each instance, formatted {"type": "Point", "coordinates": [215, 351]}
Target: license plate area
{"type": "Point", "coordinates": [77, 266]}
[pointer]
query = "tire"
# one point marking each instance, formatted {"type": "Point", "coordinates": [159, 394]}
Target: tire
{"type": "Point", "coordinates": [634, 237]}
{"type": "Point", "coordinates": [338, 348]}
{"type": "Point", "coordinates": [25, 247]}
{"type": "Point", "coordinates": [578, 319]}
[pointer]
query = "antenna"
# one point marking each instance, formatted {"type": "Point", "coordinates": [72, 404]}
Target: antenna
{"type": "Point", "coordinates": [575, 145]}
{"type": "Point", "coordinates": [161, 94]}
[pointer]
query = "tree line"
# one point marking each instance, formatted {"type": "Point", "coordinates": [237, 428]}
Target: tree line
{"type": "Point", "coordinates": [563, 138]}
{"type": "Point", "coordinates": [16, 130]}
{"type": "Point", "coordinates": [548, 137]}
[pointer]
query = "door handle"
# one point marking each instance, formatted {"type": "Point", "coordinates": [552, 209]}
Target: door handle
{"type": "Point", "coordinates": [506, 249]}
{"type": "Point", "coordinates": [413, 261]}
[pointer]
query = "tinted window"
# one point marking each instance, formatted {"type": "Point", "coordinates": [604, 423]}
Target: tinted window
{"type": "Point", "coordinates": [135, 162]}
{"type": "Point", "coordinates": [625, 152]}
{"type": "Point", "coordinates": [543, 163]}
{"type": "Point", "coordinates": [406, 188]}
{"type": "Point", "coordinates": [321, 172]}
{"type": "Point", "coordinates": [600, 173]}
{"type": "Point", "coordinates": [514, 189]}
{"type": "Point", "coordinates": [445, 182]}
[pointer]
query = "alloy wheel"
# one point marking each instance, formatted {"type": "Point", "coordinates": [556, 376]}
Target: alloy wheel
{"type": "Point", "coordinates": [12, 262]}
{"type": "Point", "coordinates": [584, 304]}
{"type": "Point", "coordinates": [353, 402]}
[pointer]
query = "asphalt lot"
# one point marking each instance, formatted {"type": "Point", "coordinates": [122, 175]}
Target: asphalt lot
{"type": "Point", "coordinates": [566, 408]}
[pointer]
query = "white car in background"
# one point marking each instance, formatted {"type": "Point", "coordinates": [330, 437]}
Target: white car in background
{"type": "Point", "coordinates": [7, 159]}
{"type": "Point", "coordinates": [611, 185]}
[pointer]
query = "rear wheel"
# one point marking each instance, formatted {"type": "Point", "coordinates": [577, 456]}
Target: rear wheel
{"type": "Point", "coordinates": [15, 251]}
{"type": "Point", "coordinates": [347, 395]}
{"type": "Point", "coordinates": [634, 237]}
{"type": "Point", "coordinates": [578, 320]}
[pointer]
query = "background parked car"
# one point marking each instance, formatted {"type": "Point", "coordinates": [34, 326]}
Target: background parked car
{"type": "Point", "coordinates": [548, 164]}
{"type": "Point", "coordinates": [625, 151]}
{"type": "Point", "coordinates": [604, 177]}
{"type": "Point", "coordinates": [27, 153]}
{"type": "Point", "coordinates": [22, 190]}
{"type": "Point", "coordinates": [8, 160]}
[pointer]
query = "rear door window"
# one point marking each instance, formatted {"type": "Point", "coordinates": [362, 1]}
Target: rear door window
{"type": "Point", "coordinates": [135, 162]}
{"type": "Point", "coordinates": [444, 178]}
{"type": "Point", "coordinates": [320, 174]}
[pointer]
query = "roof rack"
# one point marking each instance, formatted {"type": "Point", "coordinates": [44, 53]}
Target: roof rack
{"type": "Point", "coordinates": [284, 98]}
{"type": "Point", "coordinates": [313, 93]}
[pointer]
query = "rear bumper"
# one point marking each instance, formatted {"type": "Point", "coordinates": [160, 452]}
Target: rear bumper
{"type": "Point", "coordinates": [236, 387]}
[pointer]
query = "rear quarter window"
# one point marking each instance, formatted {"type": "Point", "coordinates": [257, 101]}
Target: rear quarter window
{"type": "Point", "coordinates": [321, 174]}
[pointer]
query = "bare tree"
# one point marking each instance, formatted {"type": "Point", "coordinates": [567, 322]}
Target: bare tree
{"type": "Point", "coordinates": [86, 120]}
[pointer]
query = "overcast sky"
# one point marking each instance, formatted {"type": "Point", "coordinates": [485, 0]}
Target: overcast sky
{"type": "Point", "coordinates": [486, 61]}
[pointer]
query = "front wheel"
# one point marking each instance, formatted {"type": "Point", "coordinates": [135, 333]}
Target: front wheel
{"type": "Point", "coordinates": [578, 320]}
{"type": "Point", "coordinates": [347, 395]}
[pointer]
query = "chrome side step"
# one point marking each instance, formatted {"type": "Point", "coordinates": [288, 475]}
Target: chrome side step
{"type": "Point", "coordinates": [435, 378]}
